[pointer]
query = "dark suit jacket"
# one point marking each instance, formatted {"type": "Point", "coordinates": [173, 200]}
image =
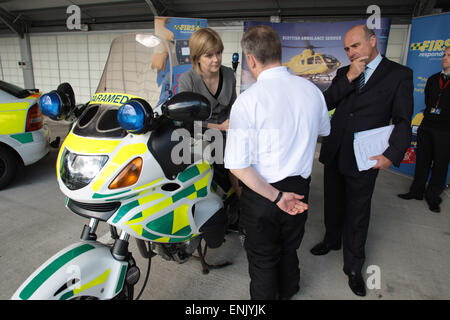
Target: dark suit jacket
{"type": "Point", "coordinates": [387, 95]}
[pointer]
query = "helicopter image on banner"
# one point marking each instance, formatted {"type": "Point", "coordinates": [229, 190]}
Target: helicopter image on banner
{"type": "Point", "coordinates": [116, 166]}
{"type": "Point", "coordinates": [312, 64]}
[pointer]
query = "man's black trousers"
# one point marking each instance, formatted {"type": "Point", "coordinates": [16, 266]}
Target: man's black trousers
{"type": "Point", "coordinates": [272, 239]}
{"type": "Point", "coordinates": [432, 153]}
{"type": "Point", "coordinates": [347, 202]}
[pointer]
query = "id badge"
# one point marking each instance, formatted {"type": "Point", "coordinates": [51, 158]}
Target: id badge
{"type": "Point", "coordinates": [435, 111]}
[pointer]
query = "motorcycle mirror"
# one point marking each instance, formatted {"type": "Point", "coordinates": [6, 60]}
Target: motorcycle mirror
{"type": "Point", "coordinates": [187, 106]}
{"type": "Point", "coordinates": [66, 90]}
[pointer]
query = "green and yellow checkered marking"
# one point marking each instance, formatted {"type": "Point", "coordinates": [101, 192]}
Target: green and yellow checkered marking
{"type": "Point", "coordinates": [176, 222]}
{"type": "Point", "coordinates": [416, 46]}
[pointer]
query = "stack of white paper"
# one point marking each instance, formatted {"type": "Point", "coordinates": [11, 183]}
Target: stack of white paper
{"type": "Point", "coordinates": [370, 143]}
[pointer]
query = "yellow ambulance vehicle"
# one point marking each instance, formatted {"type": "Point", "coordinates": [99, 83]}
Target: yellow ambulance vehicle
{"type": "Point", "coordinates": [24, 139]}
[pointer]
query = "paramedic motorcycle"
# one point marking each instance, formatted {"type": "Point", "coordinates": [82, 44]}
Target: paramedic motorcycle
{"type": "Point", "coordinates": [116, 166]}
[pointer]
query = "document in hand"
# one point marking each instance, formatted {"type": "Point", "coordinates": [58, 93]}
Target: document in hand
{"type": "Point", "coordinates": [370, 143]}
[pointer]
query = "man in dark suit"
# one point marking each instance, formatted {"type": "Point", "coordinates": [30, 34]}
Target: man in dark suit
{"type": "Point", "coordinates": [367, 94]}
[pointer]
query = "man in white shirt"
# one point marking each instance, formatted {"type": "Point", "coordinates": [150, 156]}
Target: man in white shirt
{"type": "Point", "coordinates": [270, 147]}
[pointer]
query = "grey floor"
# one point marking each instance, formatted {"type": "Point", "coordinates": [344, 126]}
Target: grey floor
{"type": "Point", "coordinates": [408, 246]}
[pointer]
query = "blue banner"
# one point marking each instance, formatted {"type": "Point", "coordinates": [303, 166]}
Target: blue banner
{"type": "Point", "coordinates": [314, 50]}
{"type": "Point", "coordinates": [429, 36]}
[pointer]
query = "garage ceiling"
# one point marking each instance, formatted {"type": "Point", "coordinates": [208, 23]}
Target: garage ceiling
{"type": "Point", "coordinates": [32, 16]}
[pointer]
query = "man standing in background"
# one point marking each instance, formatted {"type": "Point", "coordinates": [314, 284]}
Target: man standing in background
{"type": "Point", "coordinates": [433, 140]}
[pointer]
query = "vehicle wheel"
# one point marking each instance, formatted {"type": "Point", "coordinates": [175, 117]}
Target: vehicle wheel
{"type": "Point", "coordinates": [8, 166]}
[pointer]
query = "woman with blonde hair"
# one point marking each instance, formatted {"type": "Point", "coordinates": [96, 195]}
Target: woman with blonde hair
{"type": "Point", "coordinates": [209, 77]}
{"type": "Point", "coordinates": [214, 81]}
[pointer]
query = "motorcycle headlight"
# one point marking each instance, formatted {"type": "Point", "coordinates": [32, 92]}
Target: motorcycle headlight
{"type": "Point", "coordinates": [77, 170]}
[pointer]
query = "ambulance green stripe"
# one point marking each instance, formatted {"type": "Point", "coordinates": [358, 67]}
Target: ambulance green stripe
{"type": "Point", "coordinates": [188, 174]}
{"type": "Point", "coordinates": [162, 225]}
{"type": "Point", "coordinates": [98, 195]}
{"type": "Point", "coordinates": [67, 295]}
{"type": "Point", "coordinates": [121, 278]}
{"type": "Point", "coordinates": [124, 210]}
{"type": "Point", "coordinates": [184, 231]}
{"type": "Point", "coordinates": [183, 193]}
{"type": "Point", "coordinates": [23, 137]}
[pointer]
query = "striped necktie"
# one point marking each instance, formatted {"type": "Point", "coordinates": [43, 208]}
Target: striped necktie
{"type": "Point", "coordinates": [362, 79]}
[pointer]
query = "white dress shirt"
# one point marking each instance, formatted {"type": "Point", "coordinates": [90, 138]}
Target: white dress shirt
{"type": "Point", "coordinates": [371, 66]}
{"type": "Point", "coordinates": [274, 126]}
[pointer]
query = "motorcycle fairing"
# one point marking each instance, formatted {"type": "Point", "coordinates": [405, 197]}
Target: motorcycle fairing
{"type": "Point", "coordinates": [147, 211]}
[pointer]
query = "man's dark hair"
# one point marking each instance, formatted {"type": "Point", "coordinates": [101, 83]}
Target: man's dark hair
{"type": "Point", "coordinates": [262, 42]}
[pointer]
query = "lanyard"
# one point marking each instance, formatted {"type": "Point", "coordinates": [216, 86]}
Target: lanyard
{"type": "Point", "coordinates": [442, 87]}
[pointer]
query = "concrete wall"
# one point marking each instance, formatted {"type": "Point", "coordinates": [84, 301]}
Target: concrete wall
{"type": "Point", "coordinates": [79, 58]}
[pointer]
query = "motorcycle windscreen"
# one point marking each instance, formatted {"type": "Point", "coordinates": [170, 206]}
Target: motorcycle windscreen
{"type": "Point", "coordinates": [139, 64]}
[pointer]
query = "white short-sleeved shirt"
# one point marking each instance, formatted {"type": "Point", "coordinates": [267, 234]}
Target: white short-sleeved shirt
{"type": "Point", "coordinates": [274, 126]}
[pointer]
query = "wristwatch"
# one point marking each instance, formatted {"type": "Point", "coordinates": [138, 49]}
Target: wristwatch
{"type": "Point", "coordinates": [280, 194]}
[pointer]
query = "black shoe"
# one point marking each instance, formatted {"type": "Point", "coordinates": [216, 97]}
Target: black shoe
{"type": "Point", "coordinates": [356, 283]}
{"type": "Point", "coordinates": [409, 196]}
{"type": "Point", "coordinates": [434, 207]}
{"type": "Point", "coordinates": [323, 248]}
{"type": "Point", "coordinates": [55, 143]}
{"type": "Point", "coordinates": [288, 297]}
